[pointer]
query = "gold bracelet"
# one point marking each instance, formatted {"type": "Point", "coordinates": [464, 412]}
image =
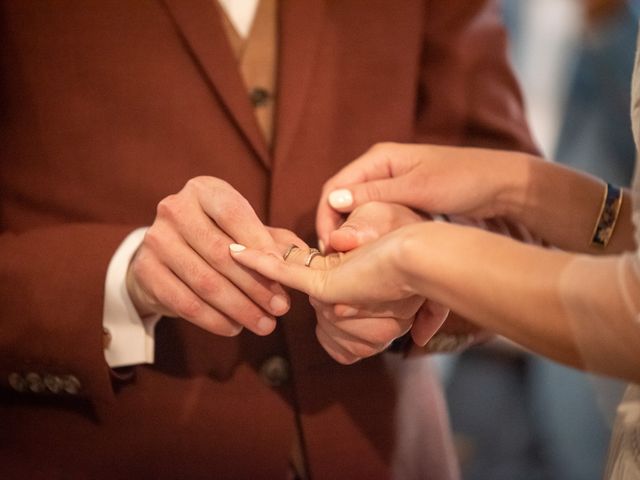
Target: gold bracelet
{"type": "Point", "coordinates": [608, 217]}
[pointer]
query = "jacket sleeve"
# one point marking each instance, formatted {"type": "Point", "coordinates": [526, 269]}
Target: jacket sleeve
{"type": "Point", "coordinates": [52, 283]}
{"type": "Point", "coordinates": [468, 94]}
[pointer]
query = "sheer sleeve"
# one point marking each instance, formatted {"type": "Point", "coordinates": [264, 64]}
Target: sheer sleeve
{"type": "Point", "coordinates": [624, 451]}
{"type": "Point", "coordinates": [601, 297]}
{"type": "Point", "coordinates": [602, 301]}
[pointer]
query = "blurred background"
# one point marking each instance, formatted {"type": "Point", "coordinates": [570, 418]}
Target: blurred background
{"type": "Point", "coordinates": [514, 415]}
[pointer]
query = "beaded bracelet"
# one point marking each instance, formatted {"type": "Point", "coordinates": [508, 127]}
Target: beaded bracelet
{"type": "Point", "coordinates": [608, 216]}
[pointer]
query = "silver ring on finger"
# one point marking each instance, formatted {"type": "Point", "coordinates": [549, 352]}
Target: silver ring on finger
{"type": "Point", "coordinates": [312, 253]}
{"type": "Point", "coordinates": [291, 248]}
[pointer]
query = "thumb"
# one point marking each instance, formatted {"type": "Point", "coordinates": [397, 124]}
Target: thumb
{"type": "Point", "coordinates": [359, 229]}
{"type": "Point", "coordinates": [387, 190]}
{"type": "Point", "coordinates": [350, 236]}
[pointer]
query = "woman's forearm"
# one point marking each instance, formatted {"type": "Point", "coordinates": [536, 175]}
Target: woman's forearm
{"type": "Point", "coordinates": [562, 207]}
{"type": "Point", "coordinates": [514, 290]}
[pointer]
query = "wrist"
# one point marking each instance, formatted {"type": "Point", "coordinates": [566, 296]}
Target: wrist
{"type": "Point", "coordinates": [412, 256]}
{"type": "Point", "coordinates": [514, 192]}
{"type": "Point", "coordinates": [136, 295]}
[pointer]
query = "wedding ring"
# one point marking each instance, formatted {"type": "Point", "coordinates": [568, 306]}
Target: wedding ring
{"type": "Point", "coordinates": [291, 248]}
{"type": "Point", "coordinates": [312, 253]}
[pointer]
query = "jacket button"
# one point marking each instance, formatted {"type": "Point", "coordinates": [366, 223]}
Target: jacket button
{"type": "Point", "coordinates": [259, 96]}
{"type": "Point", "coordinates": [34, 382]}
{"type": "Point", "coordinates": [53, 383]}
{"type": "Point", "coordinates": [275, 371]}
{"type": "Point", "coordinates": [71, 384]}
{"type": "Point", "coordinates": [18, 382]}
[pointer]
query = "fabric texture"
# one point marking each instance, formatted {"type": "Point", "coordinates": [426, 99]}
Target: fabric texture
{"type": "Point", "coordinates": [106, 107]}
{"type": "Point", "coordinates": [624, 453]}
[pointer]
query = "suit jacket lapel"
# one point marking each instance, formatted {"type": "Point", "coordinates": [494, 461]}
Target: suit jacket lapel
{"type": "Point", "coordinates": [200, 26]}
{"type": "Point", "coordinates": [301, 24]}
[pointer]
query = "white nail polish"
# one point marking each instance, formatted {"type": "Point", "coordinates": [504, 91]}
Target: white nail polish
{"type": "Point", "coordinates": [340, 198]}
{"type": "Point", "coordinates": [321, 246]}
{"type": "Point", "coordinates": [236, 247]}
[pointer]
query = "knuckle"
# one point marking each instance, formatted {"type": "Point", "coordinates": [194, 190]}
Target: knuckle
{"type": "Point", "coordinates": [218, 251]}
{"type": "Point", "coordinates": [380, 147]}
{"type": "Point", "coordinates": [169, 207]}
{"type": "Point", "coordinates": [207, 285]}
{"type": "Point", "coordinates": [201, 182]}
{"type": "Point", "coordinates": [373, 191]}
{"type": "Point", "coordinates": [226, 207]}
{"type": "Point", "coordinates": [188, 308]}
{"type": "Point", "coordinates": [152, 240]}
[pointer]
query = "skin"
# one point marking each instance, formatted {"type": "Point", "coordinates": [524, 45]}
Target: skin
{"type": "Point", "coordinates": [498, 283]}
{"type": "Point", "coordinates": [350, 333]}
{"type": "Point", "coordinates": [479, 183]}
{"type": "Point", "coordinates": [182, 269]}
{"type": "Point", "coordinates": [363, 225]}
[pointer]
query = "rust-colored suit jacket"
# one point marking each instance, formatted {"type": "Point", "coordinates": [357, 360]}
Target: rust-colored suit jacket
{"type": "Point", "coordinates": [106, 107]}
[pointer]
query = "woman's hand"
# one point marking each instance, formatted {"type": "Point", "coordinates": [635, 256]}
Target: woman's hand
{"type": "Point", "coordinates": [468, 181]}
{"type": "Point", "coordinates": [361, 299]}
{"type": "Point", "coordinates": [365, 224]}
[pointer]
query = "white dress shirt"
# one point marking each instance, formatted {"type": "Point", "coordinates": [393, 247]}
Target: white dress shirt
{"type": "Point", "coordinates": [132, 338]}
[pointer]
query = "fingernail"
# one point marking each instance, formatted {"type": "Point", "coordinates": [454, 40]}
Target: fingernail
{"type": "Point", "coordinates": [279, 304]}
{"type": "Point", "coordinates": [265, 324]}
{"type": "Point", "coordinates": [321, 246]}
{"type": "Point", "coordinates": [236, 247]}
{"type": "Point", "coordinates": [340, 198]}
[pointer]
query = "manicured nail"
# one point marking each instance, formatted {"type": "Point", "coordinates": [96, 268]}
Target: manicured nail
{"type": "Point", "coordinates": [340, 198]}
{"type": "Point", "coordinates": [236, 247]}
{"type": "Point", "coordinates": [265, 324]}
{"type": "Point", "coordinates": [279, 304]}
{"type": "Point", "coordinates": [321, 246]}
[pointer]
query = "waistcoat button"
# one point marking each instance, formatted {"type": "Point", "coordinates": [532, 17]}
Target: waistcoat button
{"type": "Point", "coordinates": [34, 382]}
{"type": "Point", "coordinates": [259, 96]}
{"type": "Point", "coordinates": [275, 371]}
{"type": "Point", "coordinates": [18, 382]}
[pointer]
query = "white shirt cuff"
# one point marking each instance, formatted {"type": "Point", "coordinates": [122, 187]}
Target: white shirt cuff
{"type": "Point", "coordinates": [132, 337]}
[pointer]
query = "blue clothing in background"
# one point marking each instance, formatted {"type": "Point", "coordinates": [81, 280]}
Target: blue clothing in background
{"type": "Point", "coordinates": [596, 128]}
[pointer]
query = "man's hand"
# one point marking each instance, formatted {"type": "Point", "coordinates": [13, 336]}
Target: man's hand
{"type": "Point", "coordinates": [351, 332]}
{"type": "Point", "coordinates": [183, 268]}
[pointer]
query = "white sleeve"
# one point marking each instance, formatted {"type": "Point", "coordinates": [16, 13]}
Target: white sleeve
{"type": "Point", "coordinates": [132, 337]}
